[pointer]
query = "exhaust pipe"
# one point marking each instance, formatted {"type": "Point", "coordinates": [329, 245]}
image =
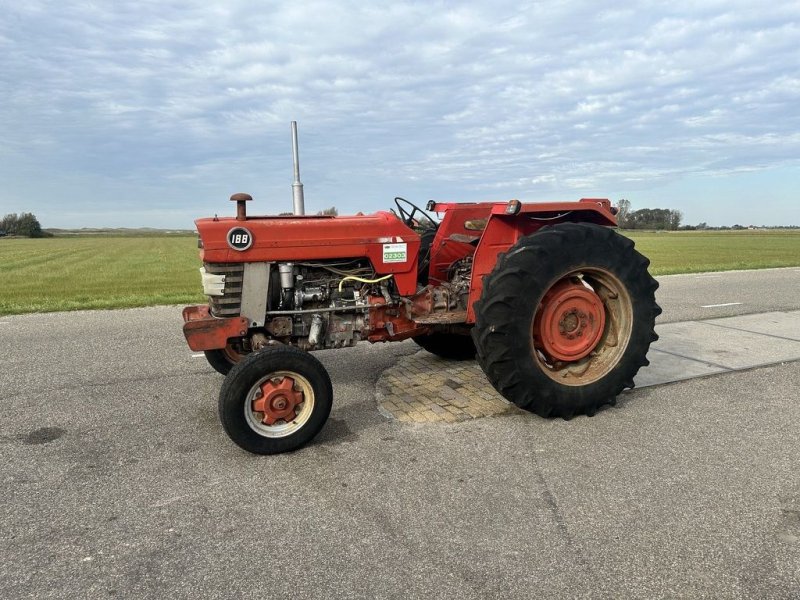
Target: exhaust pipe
{"type": "Point", "coordinates": [298, 200]}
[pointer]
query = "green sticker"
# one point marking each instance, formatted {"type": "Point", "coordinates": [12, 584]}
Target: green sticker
{"type": "Point", "coordinates": [395, 253]}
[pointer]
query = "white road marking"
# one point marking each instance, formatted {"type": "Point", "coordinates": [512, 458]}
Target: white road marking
{"type": "Point", "coordinates": [708, 276]}
{"type": "Point", "coordinates": [718, 305]}
{"type": "Point", "coordinates": [198, 355]}
{"type": "Point", "coordinates": [5, 322]}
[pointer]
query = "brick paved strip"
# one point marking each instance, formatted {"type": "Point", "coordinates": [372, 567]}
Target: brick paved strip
{"type": "Point", "coordinates": [423, 388]}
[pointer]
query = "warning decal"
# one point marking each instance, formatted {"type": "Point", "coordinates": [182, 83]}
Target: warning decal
{"type": "Point", "coordinates": [395, 253]}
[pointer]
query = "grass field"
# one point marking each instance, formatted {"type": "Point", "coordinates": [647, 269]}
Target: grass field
{"type": "Point", "coordinates": [53, 274]}
{"type": "Point", "coordinates": [698, 251]}
{"type": "Point", "coordinates": [79, 272]}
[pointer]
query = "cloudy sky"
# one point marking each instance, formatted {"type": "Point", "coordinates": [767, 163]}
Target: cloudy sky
{"type": "Point", "coordinates": [151, 113]}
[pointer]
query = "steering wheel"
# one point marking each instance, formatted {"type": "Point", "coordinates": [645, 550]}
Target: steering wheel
{"type": "Point", "coordinates": [408, 217]}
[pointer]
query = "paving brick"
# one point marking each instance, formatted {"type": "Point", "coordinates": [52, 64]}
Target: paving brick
{"type": "Point", "coordinates": [430, 416]}
{"type": "Point", "coordinates": [425, 389]}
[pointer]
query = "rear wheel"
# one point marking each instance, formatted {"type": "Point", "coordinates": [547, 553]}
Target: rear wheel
{"type": "Point", "coordinates": [565, 320]}
{"type": "Point", "coordinates": [275, 400]}
{"type": "Point", "coordinates": [447, 345]}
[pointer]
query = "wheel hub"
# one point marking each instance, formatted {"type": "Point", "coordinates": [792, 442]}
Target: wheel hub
{"type": "Point", "coordinates": [277, 400]}
{"type": "Point", "coordinates": [569, 322]}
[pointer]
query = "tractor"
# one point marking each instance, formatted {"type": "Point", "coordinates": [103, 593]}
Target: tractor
{"type": "Point", "coordinates": [556, 306]}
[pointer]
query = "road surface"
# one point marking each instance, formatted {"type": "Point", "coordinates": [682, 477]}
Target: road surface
{"type": "Point", "coordinates": [119, 481]}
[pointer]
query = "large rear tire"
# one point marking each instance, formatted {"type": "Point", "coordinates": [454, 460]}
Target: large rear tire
{"type": "Point", "coordinates": [447, 345]}
{"type": "Point", "coordinates": [565, 319]}
{"type": "Point", "coordinates": [275, 400]}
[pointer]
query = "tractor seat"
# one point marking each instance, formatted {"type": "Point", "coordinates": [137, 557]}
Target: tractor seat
{"type": "Point", "coordinates": [476, 224]}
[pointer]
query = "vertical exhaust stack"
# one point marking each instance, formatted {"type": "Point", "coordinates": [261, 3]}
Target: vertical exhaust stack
{"type": "Point", "coordinates": [297, 187]}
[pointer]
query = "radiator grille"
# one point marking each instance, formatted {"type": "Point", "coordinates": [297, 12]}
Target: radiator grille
{"type": "Point", "coordinates": [230, 303]}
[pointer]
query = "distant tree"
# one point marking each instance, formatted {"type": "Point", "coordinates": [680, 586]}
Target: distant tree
{"type": "Point", "coordinates": [329, 211]}
{"type": "Point", "coordinates": [9, 223]}
{"type": "Point", "coordinates": [675, 217]}
{"type": "Point", "coordinates": [25, 224]}
{"type": "Point", "coordinates": [654, 218]}
{"type": "Point", "coordinates": [28, 225]}
{"type": "Point", "coordinates": [623, 210]}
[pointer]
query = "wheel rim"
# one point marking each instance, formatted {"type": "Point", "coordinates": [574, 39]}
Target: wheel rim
{"type": "Point", "coordinates": [582, 326]}
{"type": "Point", "coordinates": [279, 404]}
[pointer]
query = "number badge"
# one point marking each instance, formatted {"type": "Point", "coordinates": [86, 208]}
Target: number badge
{"type": "Point", "coordinates": [240, 238]}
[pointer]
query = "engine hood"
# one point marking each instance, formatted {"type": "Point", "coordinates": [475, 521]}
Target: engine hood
{"type": "Point", "coordinates": [381, 237]}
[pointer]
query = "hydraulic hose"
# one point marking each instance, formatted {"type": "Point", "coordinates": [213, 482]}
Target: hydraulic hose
{"type": "Point", "coordinates": [362, 279]}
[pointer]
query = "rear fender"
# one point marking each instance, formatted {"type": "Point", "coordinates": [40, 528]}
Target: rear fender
{"type": "Point", "coordinates": [504, 230]}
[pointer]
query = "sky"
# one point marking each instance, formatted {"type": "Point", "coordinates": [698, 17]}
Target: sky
{"type": "Point", "coordinates": [152, 113]}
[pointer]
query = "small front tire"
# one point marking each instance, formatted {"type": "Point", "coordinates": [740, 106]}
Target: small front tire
{"type": "Point", "coordinates": [223, 360]}
{"type": "Point", "coordinates": [275, 400]}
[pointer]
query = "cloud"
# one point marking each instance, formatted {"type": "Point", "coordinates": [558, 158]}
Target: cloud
{"type": "Point", "coordinates": [447, 100]}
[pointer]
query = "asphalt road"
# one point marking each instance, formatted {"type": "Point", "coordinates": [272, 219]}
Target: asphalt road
{"type": "Point", "coordinates": [119, 481]}
{"type": "Point", "coordinates": [729, 293]}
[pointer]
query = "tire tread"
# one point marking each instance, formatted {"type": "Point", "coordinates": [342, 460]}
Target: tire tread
{"type": "Point", "coordinates": [498, 332]}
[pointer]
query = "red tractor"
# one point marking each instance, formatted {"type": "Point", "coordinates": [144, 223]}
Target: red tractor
{"type": "Point", "coordinates": [558, 308]}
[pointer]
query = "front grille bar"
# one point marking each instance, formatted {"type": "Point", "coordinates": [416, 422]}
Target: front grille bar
{"type": "Point", "coordinates": [230, 303]}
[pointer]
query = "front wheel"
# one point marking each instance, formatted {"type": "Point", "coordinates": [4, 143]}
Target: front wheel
{"type": "Point", "coordinates": [565, 319]}
{"type": "Point", "coordinates": [275, 400]}
{"type": "Point", "coordinates": [222, 360]}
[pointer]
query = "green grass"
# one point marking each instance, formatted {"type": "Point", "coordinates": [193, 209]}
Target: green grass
{"type": "Point", "coordinates": [56, 274]}
{"type": "Point", "coordinates": [81, 272]}
{"type": "Point", "coordinates": [698, 251]}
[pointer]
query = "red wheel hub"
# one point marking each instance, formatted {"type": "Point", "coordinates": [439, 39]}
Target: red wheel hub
{"type": "Point", "coordinates": [569, 322]}
{"type": "Point", "coordinates": [277, 400]}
